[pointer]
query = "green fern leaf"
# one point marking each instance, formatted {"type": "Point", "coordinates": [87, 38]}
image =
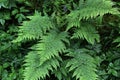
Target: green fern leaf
{"type": "Point", "coordinates": [82, 65]}
{"type": "Point", "coordinates": [34, 71]}
{"type": "Point", "coordinates": [45, 55]}
{"type": "Point", "coordinates": [88, 32]}
{"type": "Point", "coordinates": [50, 45]}
{"type": "Point", "coordinates": [35, 28]}
{"type": "Point", "coordinates": [90, 9]}
{"type": "Point", "coordinates": [61, 72]}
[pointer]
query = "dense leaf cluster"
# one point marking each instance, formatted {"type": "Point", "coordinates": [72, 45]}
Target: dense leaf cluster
{"type": "Point", "coordinates": [59, 40]}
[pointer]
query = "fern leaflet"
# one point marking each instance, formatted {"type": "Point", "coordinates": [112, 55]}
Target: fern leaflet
{"type": "Point", "coordinates": [82, 65]}
{"type": "Point", "coordinates": [88, 32]}
{"type": "Point", "coordinates": [90, 9]}
{"type": "Point", "coordinates": [46, 53]}
{"type": "Point", "coordinates": [35, 28]}
{"type": "Point", "coordinates": [40, 71]}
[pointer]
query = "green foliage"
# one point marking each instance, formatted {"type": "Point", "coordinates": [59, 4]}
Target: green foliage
{"type": "Point", "coordinates": [89, 9]}
{"type": "Point", "coordinates": [83, 65]}
{"type": "Point", "coordinates": [59, 40]}
{"type": "Point", "coordinates": [37, 27]}
{"type": "Point", "coordinates": [117, 40]}
{"type": "Point", "coordinates": [88, 32]}
{"type": "Point", "coordinates": [11, 58]}
{"type": "Point", "coordinates": [41, 70]}
{"type": "Point", "coordinates": [45, 55]}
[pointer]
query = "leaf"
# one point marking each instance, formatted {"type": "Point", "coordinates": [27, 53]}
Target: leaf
{"type": "Point", "coordinates": [117, 40]}
{"type": "Point", "coordinates": [20, 17]}
{"type": "Point", "coordinates": [82, 65]}
{"type": "Point", "coordinates": [88, 32]}
{"type": "Point", "coordinates": [5, 65]}
{"type": "Point", "coordinates": [89, 10]}
{"type": "Point", "coordinates": [15, 11]}
{"type": "Point", "coordinates": [2, 21]}
{"type": "Point", "coordinates": [40, 71]}
{"type": "Point", "coordinates": [50, 45]}
{"type": "Point", "coordinates": [22, 9]}
{"type": "Point", "coordinates": [61, 72]}
{"type": "Point", "coordinates": [113, 72]}
{"type": "Point", "coordinates": [45, 55]}
{"type": "Point", "coordinates": [35, 28]}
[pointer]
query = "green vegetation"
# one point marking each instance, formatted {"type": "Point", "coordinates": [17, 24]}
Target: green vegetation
{"type": "Point", "coordinates": [59, 40]}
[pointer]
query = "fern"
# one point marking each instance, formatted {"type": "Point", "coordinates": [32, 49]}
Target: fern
{"type": "Point", "coordinates": [88, 32]}
{"type": "Point", "coordinates": [40, 71]}
{"type": "Point", "coordinates": [45, 54]}
{"type": "Point", "coordinates": [63, 40]}
{"type": "Point", "coordinates": [88, 10]}
{"type": "Point", "coordinates": [82, 65]}
{"type": "Point", "coordinates": [50, 45]}
{"type": "Point", "coordinates": [62, 72]}
{"type": "Point", "coordinates": [35, 28]}
{"type": "Point", "coordinates": [91, 9]}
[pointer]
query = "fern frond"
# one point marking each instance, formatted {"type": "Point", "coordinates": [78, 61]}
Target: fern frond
{"type": "Point", "coordinates": [51, 45]}
{"type": "Point", "coordinates": [35, 28]}
{"type": "Point", "coordinates": [34, 71]}
{"type": "Point", "coordinates": [82, 65]}
{"type": "Point", "coordinates": [90, 9]}
{"type": "Point", "coordinates": [43, 56]}
{"type": "Point", "coordinates": [88, 32]}
{"type": "Point", "coordinates": [61, 72]}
